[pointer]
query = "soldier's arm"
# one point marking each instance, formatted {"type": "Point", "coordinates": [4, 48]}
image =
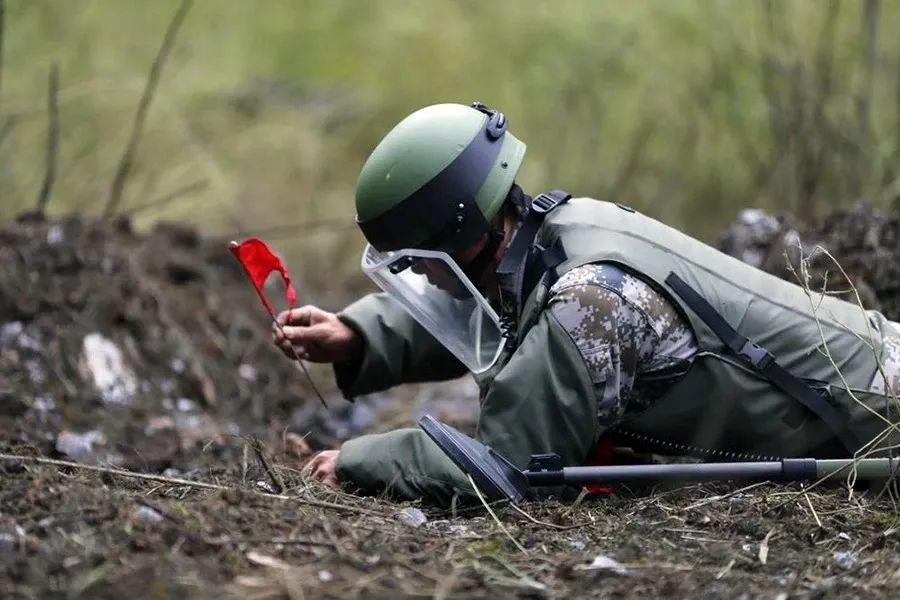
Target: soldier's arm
{"type": "Point", "coordinates": [622, 328]}
{"type": "Point", "coordinates": [396, 349]}
{"type": "Point", "coordinates": [570, 378]}
{"type": "Point", "coordinates": [542, 401]}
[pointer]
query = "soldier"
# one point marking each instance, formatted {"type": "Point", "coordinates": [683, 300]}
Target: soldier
{"type": "Point", "coordinates": [577, 318]}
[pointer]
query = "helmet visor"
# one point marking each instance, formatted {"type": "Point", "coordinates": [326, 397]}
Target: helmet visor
{"type": "Point", "coordinates": [436, 293]}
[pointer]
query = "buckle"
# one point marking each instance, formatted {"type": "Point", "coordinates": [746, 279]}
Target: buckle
{"type": "Point", "coordinates": [544, 203]}
{"type": "Point", "coordinates": [758, 356]}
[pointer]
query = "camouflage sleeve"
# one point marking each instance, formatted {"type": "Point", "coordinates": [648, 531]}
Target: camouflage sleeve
{"type": "Point", "coordinates": [887, 379]}
{"type": "Point", "coordinates": [624, 330]}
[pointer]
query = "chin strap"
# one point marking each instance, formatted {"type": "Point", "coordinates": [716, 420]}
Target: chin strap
{"type": "Point", "coordinates": [516, 272]}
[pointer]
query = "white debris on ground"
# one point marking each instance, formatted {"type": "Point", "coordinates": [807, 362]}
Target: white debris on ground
{"type": "Point", "coordinates": [602, 562]}
{"type": "Point", "coordinates": [103, 361]}
{"type": "Point", "coordinates": [145, 513]}
{"type": "Point", "coordinates": [412, 517]}
{"type": "Point", "coordinates": [846, 560]}
{"type": "Point", "coordinates": [55, 235]}
{"type": "Point", "coordinates": [248, 372]}
{"type": "Point", "coordinates": [10, 332]}
{"type": "Point", "coordinates": [79, 446]}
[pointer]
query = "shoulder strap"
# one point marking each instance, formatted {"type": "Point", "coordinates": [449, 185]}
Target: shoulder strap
{"type": "Point", "coordinates": [511, 271]}
{"type": "Point", "coordinates": [764, 363]}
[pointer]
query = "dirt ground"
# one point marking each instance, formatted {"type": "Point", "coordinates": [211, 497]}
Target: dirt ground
{"type": "Point", "coordinates": [68, 533]}
{"type": "Point", "coordinates": [151, 353]}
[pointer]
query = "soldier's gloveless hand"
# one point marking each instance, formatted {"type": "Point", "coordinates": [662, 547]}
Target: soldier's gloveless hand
{"type": "Point", "coordinates": [316, 335]}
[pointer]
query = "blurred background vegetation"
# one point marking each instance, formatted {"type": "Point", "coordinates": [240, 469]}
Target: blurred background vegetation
{"type": "Point", "coordinates": [687, 109]}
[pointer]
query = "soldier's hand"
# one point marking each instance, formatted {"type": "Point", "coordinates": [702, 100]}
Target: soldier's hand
{"type": "Point", "coordinates": [317, 336]}
{"type": "Point", "coordinates": [322, 468]}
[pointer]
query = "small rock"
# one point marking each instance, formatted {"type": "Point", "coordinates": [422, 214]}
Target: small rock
{"type": "Point", "coordinates": [55, 235]}
{"type": "Point", "coordinates": [145, 513]}
{"type": "Point", "coordinates": [43, 404]}
{"type": "Point", "coordinates": [79, 446]}
{"type": "Point", "coordinates": [248, 372]}
{"type": "Point", "coordinates": [846, 560]}
{"type": "Point", "coordinates": [26, 342]}
{"type": "Point", "coordinates": [602, 562]}
{"type": "Point", "coordinates": [103, 361]}
{"type": "Point", "coordinates": [325, 576]}
{"type": "Point", "coordinates": [36, 372]}
{"type": "Point", "coordinates": [185, 404]}
{"type": "Point", "coordinates": [577, 544]}
{"type": "Point", "coordinates": [10, 332]}
{"type": "Point", "coordinates": [412, 517]}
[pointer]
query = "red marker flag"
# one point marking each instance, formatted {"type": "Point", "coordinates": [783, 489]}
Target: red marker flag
{"type": "Point", "coordinates": [259, 262]}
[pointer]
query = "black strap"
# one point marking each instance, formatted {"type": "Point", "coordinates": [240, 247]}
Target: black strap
{"type": "Point", "coordinates": [540, 261]}
{"type": "Point", "coordinates": [764, 362]}
{"type": "Point", "coordinates": [511, 271]}
{"type": "Point", "coordinates": [513, 263]}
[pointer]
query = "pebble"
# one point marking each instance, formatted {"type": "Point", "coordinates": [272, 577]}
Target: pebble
{"type": "Point", "coordinates": [104, 363]}
{"type": "Point", "coordinates": [412, 517]}
{"type": "Point", "coordinates": [10, 332]}
{"type": "Point", "coordinates": [145, 513]}
{"type": "Point", "coordinates": [602, 562]}
{"type": "Point", "coordinates": [846, 560]}
{"type": "Point", "coordinates": [79, 446]}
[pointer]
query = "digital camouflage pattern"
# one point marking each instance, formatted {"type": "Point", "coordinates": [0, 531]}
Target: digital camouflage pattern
{"type": "Point", "coordinates": [889, 383]}
{"type": "Point", "coordinates": [633, 341]}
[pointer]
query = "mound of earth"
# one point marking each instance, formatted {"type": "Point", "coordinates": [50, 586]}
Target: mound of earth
{"type": "Point", "coordinates": [134, 349]}
{"type": "Point", "coordinates": [862, 240]}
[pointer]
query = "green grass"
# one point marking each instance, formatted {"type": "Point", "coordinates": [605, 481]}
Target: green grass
{"type": "Point", "coordinates": [685, 109]}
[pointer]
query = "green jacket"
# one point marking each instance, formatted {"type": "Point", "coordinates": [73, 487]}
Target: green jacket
{"type": "Point", "coordinates": [539, 398]}
{"type": "Point", "coordinates": [515, 417]}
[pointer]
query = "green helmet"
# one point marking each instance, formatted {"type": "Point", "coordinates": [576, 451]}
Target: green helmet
{"type": "Point", "coordinates": [437, 179]}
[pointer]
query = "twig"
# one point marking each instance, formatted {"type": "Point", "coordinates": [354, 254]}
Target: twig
{"type": "Point", "coordinates": [498, 521]}
{"type": "Point", "coordinates": [282, 541]}
{"type": "Point", "coordinates": [6, 128]}
{"type": "Point", "coordinates": [140, 116]}
{"type": "Point", "coordinates": [52, 138]}
{"type": "Point", "coordinates": [261, 457]}
{"type": "Point", "coordinates": [547, 524]}
{"type": "Point", "coordinates": [194, 186]}
{"type": "Point", "coordinates": [182, 482]}
{"type": "Point", "coordinates": [809, 502]}
{"type": "Point", "coordinates": [302, 366]}
{"type": "Point", "coordinates": [2, 23]}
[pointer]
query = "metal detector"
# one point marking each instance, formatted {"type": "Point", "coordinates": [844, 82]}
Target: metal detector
{"type": "Point", "coordinates": [499, 479]}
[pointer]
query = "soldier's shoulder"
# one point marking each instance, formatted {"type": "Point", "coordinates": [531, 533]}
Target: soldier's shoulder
{"type": "Point", "coordinates": [604, 275]}
{"type": "Point", "coordinates": [608, 286]}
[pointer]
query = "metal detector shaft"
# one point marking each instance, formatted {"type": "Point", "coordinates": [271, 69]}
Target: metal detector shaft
{"type": "Point", "coordinates": [789, 469]}
{"type": "Point", "coordinates": [498, 478]}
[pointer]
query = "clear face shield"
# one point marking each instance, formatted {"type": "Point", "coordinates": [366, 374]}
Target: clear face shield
{"type": "Point", "coordinates": [436, 293]}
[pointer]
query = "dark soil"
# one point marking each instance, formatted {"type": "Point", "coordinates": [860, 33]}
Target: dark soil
{"type": "Point", "coordinates": [196, 375]}
{"type": "Point", "coordinates": [66, 533]}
